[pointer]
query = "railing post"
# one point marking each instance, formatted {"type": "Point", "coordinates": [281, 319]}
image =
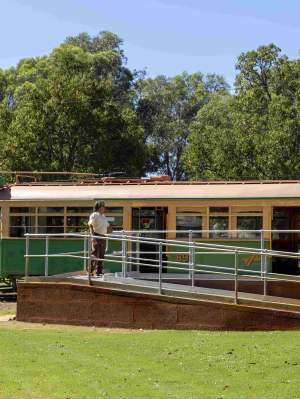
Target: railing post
{"type": "Point", "coordinates": [46, 256]}
{"type": "Point", "coordinates": [193, 264]}
{"type": "Point", "coordinates": [190, 254]}
{"type": "Point", "coordinates": [89, 265]}
{"type": "Point", "coordinates": [160, 269]}
{"type": "Point", "coordinates": [26, 257]}
{"type": "Point", "coordinates": [85, 253]}
{"type": "Point", "coordinates": [236, 299]}
{"type": "Point", "coordinates": [138, 250]}
{"type": "Point", "coordinates": [265, 273]}
{"type": "Point", "coordinates": [262, 247]}
{"type": "Point", "coordinates": [124, 255]}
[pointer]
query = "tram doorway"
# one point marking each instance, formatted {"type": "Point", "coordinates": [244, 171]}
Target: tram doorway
{"type": "Point", "coordinates": [286, 218]}
{"type": "Point", "coordinates": [146, 220]}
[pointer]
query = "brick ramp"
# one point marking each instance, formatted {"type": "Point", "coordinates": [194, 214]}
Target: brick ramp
{"type": "Point", "coordinates": [79, 304]}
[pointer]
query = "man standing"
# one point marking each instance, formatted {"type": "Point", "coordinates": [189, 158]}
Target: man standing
{"type": "Point", "coordinates": [99, 226]}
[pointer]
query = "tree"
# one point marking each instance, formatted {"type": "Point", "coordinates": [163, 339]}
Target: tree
{"type": "Point", "coordinates": [255, 134]}
{"type": "Point", "coordinates": [211, 141]}
{"type": "Point", "coordinates": [72, 110]}
{"type": "Point", "coordinates": [166, 108]}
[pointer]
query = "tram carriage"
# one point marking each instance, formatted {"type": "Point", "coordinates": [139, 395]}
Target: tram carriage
{"type": "Point", "coordinates": [217, 212]}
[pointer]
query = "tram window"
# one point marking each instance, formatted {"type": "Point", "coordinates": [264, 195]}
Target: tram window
{"type": "Point", "coordinates": [218, 209]}
{"type": "Point", "coordinates": [80, 209]}
{"type": "Point", "coordinates": [217, 224]}
{"type": "Point", "coordinates": [246, 210]}
{"type": "Point", "coordinates": [20, 225]}
{"type": "Point", "coordinates": [280, 222]}
{"type": "Point", "coordinates": [187, 223]}
{"type": "Point", "coordinates": [50, 224]}
{"type": "Point", "coordinates": [194, 210]}
{"type": "Point", "coordinates": [22, 210]}
{"type": "Point", "coordinates": [112, 209]}
{"type": "Point", "coordinates": [115, 217]}
{"type": "Point", "coordinates": [77, 224]}
{"type": "Point", "coordinates": [249, 223]}
{"type": "Point", "coordinates": [116, 222]}
{"type": "Point", "coordinates": [51, 210]}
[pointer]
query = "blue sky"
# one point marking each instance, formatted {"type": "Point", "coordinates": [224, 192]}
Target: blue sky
{"type": "Point", "coordinates": [163, 36]}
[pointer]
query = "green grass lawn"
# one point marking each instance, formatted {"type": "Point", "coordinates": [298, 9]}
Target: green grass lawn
{"type": "Point", "coordinates": [67, 363]}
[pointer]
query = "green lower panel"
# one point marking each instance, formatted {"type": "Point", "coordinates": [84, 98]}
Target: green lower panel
{"type": "Point", "coordinates": [13, 250]}
{"type": "Point", "coordinates": [247, 262]}
{"type": "Point", "coordinates": [13, 261]}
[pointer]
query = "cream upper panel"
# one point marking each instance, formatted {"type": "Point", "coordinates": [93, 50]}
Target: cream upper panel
{"type": "Point", "coordinates": [171, 191]}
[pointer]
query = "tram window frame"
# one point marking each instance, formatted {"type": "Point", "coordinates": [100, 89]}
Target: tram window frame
{"type": "Point", "coordinates": [79, 212]}
{"type": "Point", "coordinates": [249, 212]}
{"type": "Point", "coordinates": [189, 212]}
{"type": "Point", "coordinates": [35, 213]}
{"type": "Point", "coordinates": [219, 233]}
{"type": "Point", "coordinates": [115, 212]}
{"type": "Point", "coordinates": [220, 212]}
{"type": "Point", "coordinates": [278, 218]}
{"type": "Point", "coordinates": [76, 228]}
{"type": "Point", "coordinates": [50, 228]}
{"type": "Point", "coordinates": [50, 210]}
{"type": "Point", "coordinates": [109, 213]}
{"type": "Point", "coordinates": [17, 210]}
{"type": "Point", "coordinates": [248, 234]}
{"type": "Point", "coordinates": [26, 214]}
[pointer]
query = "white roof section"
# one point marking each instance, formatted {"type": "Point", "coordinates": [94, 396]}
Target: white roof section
{"type": "Point", "coordinates": [156, 191]}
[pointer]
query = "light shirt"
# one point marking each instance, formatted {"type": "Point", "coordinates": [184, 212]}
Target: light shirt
{"type": "Point", "coordinates": [99, 223]}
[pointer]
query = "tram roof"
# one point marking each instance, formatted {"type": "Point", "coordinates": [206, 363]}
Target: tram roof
{"type": "Point", "coordinates": [148, 190]}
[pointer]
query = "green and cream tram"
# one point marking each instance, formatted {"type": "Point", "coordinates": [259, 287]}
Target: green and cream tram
{"type": "Point", "coordinates": [216, 212]}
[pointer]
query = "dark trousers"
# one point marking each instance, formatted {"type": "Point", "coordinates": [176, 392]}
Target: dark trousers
{"type": "Point", "coordinates": [98, 251]}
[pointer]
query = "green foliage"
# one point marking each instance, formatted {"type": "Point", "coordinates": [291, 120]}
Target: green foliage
{"type": "Point", "coordinates": [254, 134]}
{"type": "Point", "coordinates": [82, 109]}
{"type": "Point", "coordinates": [167, 107]}
{"type": "Point", "coordinates": [72, 110]}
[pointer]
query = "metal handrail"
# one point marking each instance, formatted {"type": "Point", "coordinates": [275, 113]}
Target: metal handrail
{"type": "Point", "coordinates": [191, 267]}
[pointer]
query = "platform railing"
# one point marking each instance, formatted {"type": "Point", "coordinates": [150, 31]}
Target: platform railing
{"type": "Point", "coordinates": [128, 257]}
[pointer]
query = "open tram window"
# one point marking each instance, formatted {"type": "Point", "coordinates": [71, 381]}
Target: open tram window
{"type": "Point", "coordinates": [21, 209]}
{"type": "Point", "coordinates": [186, 223]}
{"type": "Point", "coordinates": [20, 225]}
{"type": "Point", "coordinates": [77, 218]}
{"type": "Point", "coordinates": [77, 224]}
{"type": "Point", "coordinates": [86, 210]}
{"type": "Point", "coordinates": [218, 221]}
{"type": "Point", "coordinates": [51, 209]}
{"type": "Point", "coordinates": [247, 218]}
{"type": "Point", "coordinates": [218, 209]}
{"type": "Point", "coordinates": [189, 219]}
{"type": "Point", "coordinates": [219, 226]}
{"type": "Point", "coordinates": [249, 223]}
{"type": "Point", "coordinates": [21, 221]}
{"type": "Point", "coordinates": [50, 224]}
{"type": "Point", "coordinates": [114, 216]}
{"type": "Point", "coordinates": [281, 221]}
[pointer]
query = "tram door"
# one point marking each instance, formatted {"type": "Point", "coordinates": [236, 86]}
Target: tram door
{"type": "Point", "coordinates": [286, 218]}
{"type": "Point", "coordinates": [146, 220]}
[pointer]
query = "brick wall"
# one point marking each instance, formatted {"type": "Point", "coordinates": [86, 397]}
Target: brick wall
{"type": "Point", "coordinates": [64, 303]}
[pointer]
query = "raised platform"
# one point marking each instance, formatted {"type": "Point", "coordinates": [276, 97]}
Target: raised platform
{"type": "Point", "coordinates": [136, 303]}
